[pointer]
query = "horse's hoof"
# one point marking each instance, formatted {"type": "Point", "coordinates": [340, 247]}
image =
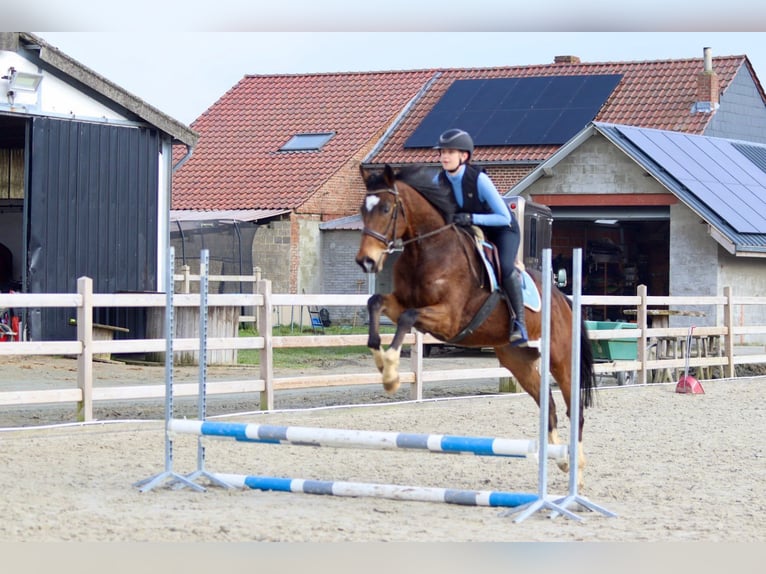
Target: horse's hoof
{"type": "Point", "coordinates": [391, 387]}
{"type": "Point", "coordinates": [377, 357]}
{"type": "Point", "coordinates": [563, 464]}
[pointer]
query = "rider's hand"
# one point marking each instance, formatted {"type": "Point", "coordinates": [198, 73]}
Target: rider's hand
{"type": "Point", "coordinates": [463, 219]}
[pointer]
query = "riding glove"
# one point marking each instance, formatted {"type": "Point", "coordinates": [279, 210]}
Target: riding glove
{"type": "Point", "coordinates": [464, 219]}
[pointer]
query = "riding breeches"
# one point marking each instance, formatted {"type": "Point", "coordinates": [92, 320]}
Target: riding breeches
{"type": "Point", "coordinates": [506, 240]}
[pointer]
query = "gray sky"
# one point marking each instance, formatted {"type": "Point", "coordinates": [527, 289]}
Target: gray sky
{"type": "Point", "coordinates": [183, 73]}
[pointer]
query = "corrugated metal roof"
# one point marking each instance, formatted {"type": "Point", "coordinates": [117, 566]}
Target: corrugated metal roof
{"type": "Point", "coordinates": [710, 175]}
{"type": "Point", "coordinates": [225, 215]}
{"type": "Point", "coordinates": [350, 223]}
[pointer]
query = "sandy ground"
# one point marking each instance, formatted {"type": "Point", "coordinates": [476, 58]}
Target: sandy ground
{"type": "Point", "coordinates": [673, 467]}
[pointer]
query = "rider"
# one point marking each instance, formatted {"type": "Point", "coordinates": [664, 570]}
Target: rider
{"type": "Point", "coordinates": [479, 203]}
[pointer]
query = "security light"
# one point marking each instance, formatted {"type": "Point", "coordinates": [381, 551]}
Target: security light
{"type": "Point", "coordinates": [22, 81]}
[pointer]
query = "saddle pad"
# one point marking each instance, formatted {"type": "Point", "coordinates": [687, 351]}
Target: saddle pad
{"type": "Point", "coordinates": [529, 290]}
{"type": "Point", "coordinates": [532, 300]}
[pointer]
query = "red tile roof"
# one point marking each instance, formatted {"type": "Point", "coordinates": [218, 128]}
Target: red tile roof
{"type": "Point", "coordinates": [657, 94]}
{"type": "Point", "coordinates": [237, 163]}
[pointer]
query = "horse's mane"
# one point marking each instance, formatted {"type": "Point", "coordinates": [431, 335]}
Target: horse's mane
{"type": "Point", "coordinates": [421, 178]}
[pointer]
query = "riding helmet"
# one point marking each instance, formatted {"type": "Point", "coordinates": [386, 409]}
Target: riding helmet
{"type": "Point", "coordinates": [455, 139]}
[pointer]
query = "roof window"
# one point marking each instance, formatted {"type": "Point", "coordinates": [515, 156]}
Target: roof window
{"type": "Point", "coordinates": [307, 141]}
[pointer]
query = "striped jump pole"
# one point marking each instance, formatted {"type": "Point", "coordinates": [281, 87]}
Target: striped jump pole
{"type": "Point", "coordinates": [390, 491]}
{"type": "Point", "coordinates": [342, 438]}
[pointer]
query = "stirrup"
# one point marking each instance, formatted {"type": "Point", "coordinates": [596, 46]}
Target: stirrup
{"type": "Point", "coordinates": [519, 336]}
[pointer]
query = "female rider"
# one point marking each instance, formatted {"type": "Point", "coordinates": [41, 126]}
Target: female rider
{"type": "Point", "coordinates": [479, 203]}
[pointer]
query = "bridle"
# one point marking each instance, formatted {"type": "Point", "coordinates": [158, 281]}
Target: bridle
{"type": "Point", "coordinates": [394, 244]}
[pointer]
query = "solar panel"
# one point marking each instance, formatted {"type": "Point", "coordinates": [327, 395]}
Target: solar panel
{"type": "Point", "coordinates": [716, 171]}
{"type": "Point", "coordinates": [516, 111]}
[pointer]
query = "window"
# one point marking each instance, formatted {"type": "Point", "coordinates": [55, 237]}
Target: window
{"type": "Point", "coordinates": [307, 142]}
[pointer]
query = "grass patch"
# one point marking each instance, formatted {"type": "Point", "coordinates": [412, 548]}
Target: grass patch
{"type": "Point", "coordinates": [308, 356]}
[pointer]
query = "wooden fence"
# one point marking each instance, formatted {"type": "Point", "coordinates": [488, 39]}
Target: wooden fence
{"type": "Point", "coordinates": [714, 345]}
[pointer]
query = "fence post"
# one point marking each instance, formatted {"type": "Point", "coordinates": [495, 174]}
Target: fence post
{"type": "Point", "coordinates": [253, 311]}
{"type": "Point", "coordinates": [728, 322]}
{"type": "Point", "coordinates": [85, 358]}
{"type": "Point", "coordinates": [643, 341]}
{"type": "Point", "coordinates": [416, 362]}
{"type": "Point", "coordinates": [265, 326]}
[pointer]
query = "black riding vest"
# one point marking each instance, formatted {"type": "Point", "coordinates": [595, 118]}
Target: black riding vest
{"type": "Point", "coordinates": [471, 201]}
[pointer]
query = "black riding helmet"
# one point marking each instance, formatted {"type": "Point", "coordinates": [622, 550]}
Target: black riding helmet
{"type": "Point", "coordinates": [455, 139]}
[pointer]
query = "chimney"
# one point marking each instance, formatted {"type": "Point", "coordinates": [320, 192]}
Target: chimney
{"type": "Point", "coordinates": [707, 86]}
{"type": "Point", "coordinates": [566, 60]}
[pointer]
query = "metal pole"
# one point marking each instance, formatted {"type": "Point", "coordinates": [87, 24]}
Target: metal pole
{"type": "Point", "coordinates": [204, 286]}
{"type": "Point", "coordinates": [574, 405]}
{"type": "Point", "coordinates": [168, 475]}
{"type": "Point", "coordinates": [542, 501]}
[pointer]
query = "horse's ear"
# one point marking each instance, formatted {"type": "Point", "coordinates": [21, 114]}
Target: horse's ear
{"type": "Point", "coordinates": [388, 175]}
{"type": "Point", "coordinates": [363, 172]}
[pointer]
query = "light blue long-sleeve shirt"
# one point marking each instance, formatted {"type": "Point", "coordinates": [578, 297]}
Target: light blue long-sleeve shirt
{"type": "Point", "coordinates": [488, 193]}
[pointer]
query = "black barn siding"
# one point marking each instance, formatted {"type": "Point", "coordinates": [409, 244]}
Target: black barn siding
{"type": "Point", "coordinates": [92, 211]}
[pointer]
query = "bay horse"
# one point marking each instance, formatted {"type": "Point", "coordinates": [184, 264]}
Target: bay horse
{"type": "Point", "coordinates": [439, 286]}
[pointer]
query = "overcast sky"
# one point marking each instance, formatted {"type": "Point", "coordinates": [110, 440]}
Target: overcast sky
{"type": "Point", "coordinates": [182, 55]}
{"type": "Point", "coordinates": [184, 73]}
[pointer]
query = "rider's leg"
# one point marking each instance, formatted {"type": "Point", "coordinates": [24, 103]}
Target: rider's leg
{"type": "Point", "coordinates": [512, 287]}
{"type": "Point", "coordinates": [507, 240]}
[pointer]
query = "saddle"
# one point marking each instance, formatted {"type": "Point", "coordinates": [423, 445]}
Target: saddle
{"type": "Point", "coordinates": [488, 255]}
{"type": "Point", "coordinates": [490, 258]}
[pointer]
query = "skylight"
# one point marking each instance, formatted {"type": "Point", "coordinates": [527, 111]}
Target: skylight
{"type": "Point", "coordinates": [307, 141]}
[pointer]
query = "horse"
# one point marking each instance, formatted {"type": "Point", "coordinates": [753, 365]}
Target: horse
{"type": "Point", "coordinates": [439, 287]}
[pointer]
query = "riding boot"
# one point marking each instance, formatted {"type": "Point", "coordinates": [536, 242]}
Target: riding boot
{"type": "Point", "coordinates": [512, 287]}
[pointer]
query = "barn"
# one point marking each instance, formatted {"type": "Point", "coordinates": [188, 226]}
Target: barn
{"type": "Point", "coordinates": [85, 184]}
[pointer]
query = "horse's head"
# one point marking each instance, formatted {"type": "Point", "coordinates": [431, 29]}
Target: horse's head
{"type": "Point", "coordinates": [382, 219]}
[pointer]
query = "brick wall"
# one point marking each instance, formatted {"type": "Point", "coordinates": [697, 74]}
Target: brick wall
{"type": "Point", "coordinates": [505, 177]}
{"type": "Point", "coordinates": [342, 194]}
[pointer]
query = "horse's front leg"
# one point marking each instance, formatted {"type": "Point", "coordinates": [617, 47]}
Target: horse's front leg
{"type": "Point", "coordinates": [390, 357]}
{"type": "Point", "coordinates": [374, 307]}
{"type": "Point", "coordinates": [387, 362]}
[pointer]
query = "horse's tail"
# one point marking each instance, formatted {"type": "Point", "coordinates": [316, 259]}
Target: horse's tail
{"type": "Point", "coordinates": [587, 377]}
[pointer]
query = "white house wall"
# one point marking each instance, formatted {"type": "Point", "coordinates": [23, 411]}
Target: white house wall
{"type": "Point", "coordinates": [55, 97]}
{"type": "Point", "coordinates": [746, 277]}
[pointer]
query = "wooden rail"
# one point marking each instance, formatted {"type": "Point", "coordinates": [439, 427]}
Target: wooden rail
{"type": "Point", "coordinates": [85, 347]}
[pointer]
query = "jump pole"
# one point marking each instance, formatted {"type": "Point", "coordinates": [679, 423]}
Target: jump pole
{"type": "Point", "coordinates": [389, 491]}
{"type": "Point", "coordinates": [380, 440]}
